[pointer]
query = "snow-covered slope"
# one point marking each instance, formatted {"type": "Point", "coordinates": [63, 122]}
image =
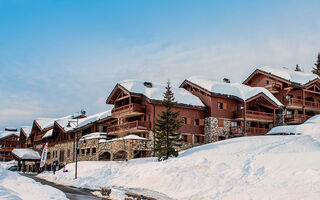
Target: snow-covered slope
{"type": "Point", "coordinates": [297, 77]}
{"type": "Point", "coordinates": [262, 167]}
{"type": "Point", "coordinates": [14, 186]}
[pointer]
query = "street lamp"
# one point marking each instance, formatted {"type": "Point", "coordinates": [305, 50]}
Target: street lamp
{"type": "Point", "coordinates": [82, 113]}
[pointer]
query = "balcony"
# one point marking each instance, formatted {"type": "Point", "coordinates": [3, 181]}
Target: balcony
{"type": "Point", "coordinates": [312, 105]}
{"type": "Point", "coordinates": [251, 131]}
{"type": "Point", "coordinates": [273, 88]}
{"type": "Point", "coordinates": [238, 131]}
{"type": "Point", "coordinates": [129, 110]}
{"type": "Point", "coordinates": [293, 102]}
{"type": "Point", "coordinates": [133, 127]}
{"type": "Point", "coordinates": [255, 116]}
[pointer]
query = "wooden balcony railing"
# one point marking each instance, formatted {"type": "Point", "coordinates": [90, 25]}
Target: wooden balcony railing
{"type": "Point", "coordinates": [127, 109]}
{"type": "Point", "coordinates": [250, 114]}
{"type": "Point", "coordinates": [312, 104]}
{"type": "Point", "coordinates": [307, 103]}
{"type": "Point", "coordinates": [273, 87]}
{"type": "Point", "coordinates": [295, 102]}
{"type": "Point", "coordinates": [238, 130]}
{"type": "Point", "coordinates": [136, 125]}
{"type": "Point", "coordinates": [256, 131]}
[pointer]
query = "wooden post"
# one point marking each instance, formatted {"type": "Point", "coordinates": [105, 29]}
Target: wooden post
{"type": "Point", "coordinates": [274, 117]}
{"type": "Point", "coordinates": [304, 103]}
{"type": "Point", "coordinates": [244, 118]}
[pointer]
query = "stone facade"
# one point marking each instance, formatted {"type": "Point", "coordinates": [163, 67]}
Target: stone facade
{"type": "Point", "coordinates": [212, 131]}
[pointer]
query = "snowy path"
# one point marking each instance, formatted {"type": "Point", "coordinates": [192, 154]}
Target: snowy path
{"type": "Point", "coordinates": [72, 193]}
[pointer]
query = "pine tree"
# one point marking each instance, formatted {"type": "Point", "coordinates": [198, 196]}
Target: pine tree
{"type": "Point", "coordinates": [167, 138]}
{"type": "Point", "coordinates": [316, 70]}
{"type": "Point", "coordinates": [298, 68]}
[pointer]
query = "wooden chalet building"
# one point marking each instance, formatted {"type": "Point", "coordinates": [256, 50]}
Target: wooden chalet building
{"type": "Point", "coordinates": [299, 92]}
{"type": "Point", "coordinates": [233, 109]}
{"type": "Point", "coordinates": [24, 135]}
{"type": "Point", "coordinates": [9, 139]}
{"type": "Point", "coordinates": [137, 104]}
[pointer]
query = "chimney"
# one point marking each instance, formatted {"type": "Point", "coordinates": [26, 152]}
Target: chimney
{"type": "Point", "coordinates": [226, 80]}
{"type": "Point", "coordinates": [147, 84]}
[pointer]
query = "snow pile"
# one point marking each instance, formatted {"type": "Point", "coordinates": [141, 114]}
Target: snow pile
{"type": "Point", "coordinates": [97, 135]}
{"type": "Point", "coordinates": [238, 90]}
{"type": "Point", "coordinates": [26, 154]}
{"type": "Point", "coordinates": [262, 167]}
{"type": "Point", "coordinates": [83, 121]}
{"type": "Point", "coordinates": [7, 133]}
{"type": "Point", "coordinates": [290, 75]}
{"type": "Point", "coordinates": [311, 126]}
{"type": "Point", "coordinates": [128, 137]}
{"type": "Point", "coordinates": [156, 92]}
{"type": "Point", "coordinates": [15, 186]}
{"type": "Point", "coordinates": [27, 130]}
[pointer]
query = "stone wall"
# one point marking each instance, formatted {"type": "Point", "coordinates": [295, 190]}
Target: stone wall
{"type": "Point", "coordinates": [212, 130]}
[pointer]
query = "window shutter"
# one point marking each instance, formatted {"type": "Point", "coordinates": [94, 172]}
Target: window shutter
{"type": "Point", "coordinates": [201, 122]}
{"type": "Point", "coordinates": [224, 106]}
{"type": "Point", "coordinates": [220, 122]}
{"type": "Point", "coordinates": [188, 120]}
{"type": "Point", "coordinates": [189, 138]}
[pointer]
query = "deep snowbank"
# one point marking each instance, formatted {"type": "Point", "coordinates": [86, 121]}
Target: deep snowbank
{"type": "Point", "coordinates": [265, 167]}
{"type": "Point", "coordinates": [14, 186]}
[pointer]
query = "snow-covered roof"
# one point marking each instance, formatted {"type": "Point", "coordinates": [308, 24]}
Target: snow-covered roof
{"type": "Point", "coordinates": [301, 78]}
{"type": "Point", "coordinates": [83, 121]}
{"type": "Point", "coordinates": [27, 130]}
{"type": "Point", "coordinates": [128, 137]}
{"type": "Point", "coordinates": [48, 122]}
{"type": "Point", "coordinates": [7, 133]}
{"type": "Point", "coordinates": [97, 135]}
{"type": "Point", "coordinates": [238, 90]}
{"type": "Point", "coordinates": [156, 92]}
{"type": "Point", "coordinates": [48, 134]}
{"type": "Point", "coordinates": [311, 126]}
{"type": "Point", "coordinates": [26, 154]}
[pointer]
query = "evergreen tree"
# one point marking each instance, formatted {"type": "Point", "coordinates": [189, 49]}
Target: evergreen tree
{"type": "Point", "coordinates": [298, 68]}
{"type": "Point", "coordinates": [167, 138]}
{"type": "Point", "coordinates": [316, 70]}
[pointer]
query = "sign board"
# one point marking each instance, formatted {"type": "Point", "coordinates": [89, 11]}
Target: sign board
{"type": "Point", "coordinates": [44, 155]}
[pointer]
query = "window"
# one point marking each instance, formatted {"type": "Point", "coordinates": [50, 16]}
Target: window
{"type": "Point", "coordinates": [48, 155]}
{"type": "Point", "coordinates": [268, 82]}
{"type": "Point", "coordinates": [82, 151]}
{"type": "Point", "coordinates": [93, 151]}
{"type": "Point", "coordinates": [78, 151]}
{"type": "Point", "coordinates": [68, 153]}
{"type": "Point", "coordinates": [53, 154]}
{"type": "Point", "coordinates": [222, 106]}
{"type": "Point", "coordinates": [196, 122]}
{"type": "Point", "coordinates": [196, 139]}
{"type": "Point", "coordinates": [220, 122]}
{"type": "Point", "coordinates": [184, 138]}
{"type": "Point", "coordinates": [88, 151]}
{"type": "Point", "coordinates": [184, 120]}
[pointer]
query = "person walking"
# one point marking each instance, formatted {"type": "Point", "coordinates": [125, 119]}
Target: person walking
{"type": "Point", "coordinates": [54, 168]}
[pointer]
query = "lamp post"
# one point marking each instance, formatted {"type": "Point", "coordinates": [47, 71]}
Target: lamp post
{"type": "Point", "coordinates": [82, 113]}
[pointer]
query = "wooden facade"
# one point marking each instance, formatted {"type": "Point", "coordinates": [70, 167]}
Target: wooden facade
{"type": "Point", "coordinates": [301, 101]}
{"type": "Point", "coordinates": [255, 116]}
{"type": "Point", "coordinates": [7, 144]}
{"type": "Point", "coordinates": [136, 114]}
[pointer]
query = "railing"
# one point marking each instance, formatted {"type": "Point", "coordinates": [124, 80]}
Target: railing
{"type": "Point", "coordinates": [256, 131]}
{"type": "Point", "coordinates": [236, 130]}
{"type": "Point", "coordinates": [129, 126]}
{"type": "Point", "coordinates": [299, 118]}
{"type": "Point", "coordinates": [129, 108]}
{"type": "Point", "coordinates": [307, 103]}
{"type": "Point", "coordinates": [295, 102]}
{"type": "Point", "coordinates": [255, 115]}
{"type": "Point", "coordinates": [273, 86]}
{"type": "Point", "coordinates": [312, 104]}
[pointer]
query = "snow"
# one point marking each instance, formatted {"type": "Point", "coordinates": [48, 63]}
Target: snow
{"type": "Point", "coordinates": [48, 122]}
{"type": "Point", "coordinates": [14, 186]}
{"type": "Point", "coordinates": [257, 167]}
{"type": "Point", "coordinates": [7, 133]}
{"type": "Point", "coordinates": [83, 121]}
{"type": "Point", "coordinates": [301, 78]}
{"type": "Point", "coordinates": [27, 130]}
{"type": "Point", "coordinates": [238, 90]}
{"type": "Point", "coordinates": [48, 134]}
{"type": "Point", "coordinates": [128, 137]}
{"type": "Point", "coordinates": [311, 126]}
{"type": "Point", "coordinates": [26, 154]}
{"type": "Point", "coordinates": [97, 135]}
{"type": "Point", "coordinates": [156, 92]}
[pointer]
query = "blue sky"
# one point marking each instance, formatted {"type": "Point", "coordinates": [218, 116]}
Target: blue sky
{"type": "Point", "coordinates": [57, 57]}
